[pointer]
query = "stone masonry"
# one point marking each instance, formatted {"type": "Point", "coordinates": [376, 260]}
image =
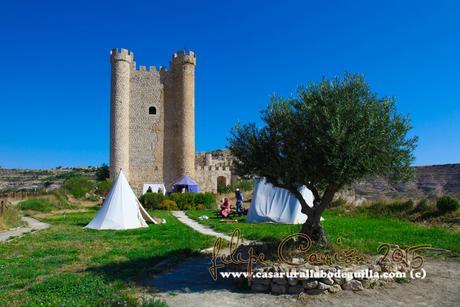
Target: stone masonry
{"type": "Point", "coordinates": [152, 122]}
{"type": "Point", "coordinates": [152, 125]}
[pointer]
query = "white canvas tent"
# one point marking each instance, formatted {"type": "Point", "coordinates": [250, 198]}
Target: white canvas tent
{"type": "Point", "coordinates": [121, 209]}
{"type": "Point", "coordinates": [154, 187]}
{"type": "Point", "coordinates": [277, 205]}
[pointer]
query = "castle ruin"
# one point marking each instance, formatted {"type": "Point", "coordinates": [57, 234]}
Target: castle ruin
{"type": "Point", "coordinates": [152, 124]}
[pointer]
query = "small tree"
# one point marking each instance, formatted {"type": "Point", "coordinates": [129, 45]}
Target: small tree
{"type": "Point", "coordinates": [329, 136]}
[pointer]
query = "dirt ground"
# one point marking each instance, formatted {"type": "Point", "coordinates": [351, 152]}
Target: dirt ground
{"type": "Point", "coordinates": [441, 287]}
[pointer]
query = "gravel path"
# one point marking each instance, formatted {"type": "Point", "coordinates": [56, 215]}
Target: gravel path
{"type": "Point", "coordinates": [183, 218]}
{"type": "Point", "coordinates": [33, 226]}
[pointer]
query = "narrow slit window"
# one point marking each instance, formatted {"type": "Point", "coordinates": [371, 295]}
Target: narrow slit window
{"type": "Point", "coordinates": [152, 110]}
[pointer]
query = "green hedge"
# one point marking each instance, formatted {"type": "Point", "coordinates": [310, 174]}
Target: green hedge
{"type": "Point", "coordinates": [183, 201]}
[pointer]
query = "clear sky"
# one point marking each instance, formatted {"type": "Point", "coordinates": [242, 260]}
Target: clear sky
{"type": "Point", "coordinates": [55, 70]}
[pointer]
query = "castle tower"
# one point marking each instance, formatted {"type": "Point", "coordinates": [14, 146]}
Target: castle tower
{"type": "Point", "coordinates": [180, 116]}
{"type": "Point", "coordinates": [121, 61]}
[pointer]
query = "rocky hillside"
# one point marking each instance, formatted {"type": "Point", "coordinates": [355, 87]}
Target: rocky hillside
{"type": "Point", "coordinates": [27, 179]}
{"type": "Point", "coordinates": [430, 181]}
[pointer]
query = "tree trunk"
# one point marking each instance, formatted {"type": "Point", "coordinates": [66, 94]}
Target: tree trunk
{"type": "Point", "coordinates": [312, 227]}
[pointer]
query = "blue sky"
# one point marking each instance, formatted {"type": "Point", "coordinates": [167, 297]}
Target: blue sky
{"type": "Point", "coordinates": [55, 73]}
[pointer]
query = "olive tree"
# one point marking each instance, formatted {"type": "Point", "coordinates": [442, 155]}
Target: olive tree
{"type": "Point", "coordinates": [328, 136]}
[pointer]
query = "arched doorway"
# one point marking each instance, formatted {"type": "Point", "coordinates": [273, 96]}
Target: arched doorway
{"type": "Point", "coordinates": [221, 183]}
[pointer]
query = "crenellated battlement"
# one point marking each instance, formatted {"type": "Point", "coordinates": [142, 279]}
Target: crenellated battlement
{"type": "Point", "coordinates": [121, 55]}
{"type": "Point", "coordinates": [182, 57]}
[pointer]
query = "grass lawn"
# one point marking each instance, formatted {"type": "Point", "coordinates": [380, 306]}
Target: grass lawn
{"type": "Point", "coordinates": [69, 265]}
{"type": "Point", "coordinates": [358, 231]}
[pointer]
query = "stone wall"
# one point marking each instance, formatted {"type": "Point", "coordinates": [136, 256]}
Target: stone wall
{"type": "Point", "coordinates": [156, 147]}
{"type": "Point", "coordinates": [146, 131]}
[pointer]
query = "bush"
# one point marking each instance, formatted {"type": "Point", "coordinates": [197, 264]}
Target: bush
{"type": "Point", "coordinates": [152, 200]}
{"type": "Point", "coordinates": [447, 204]}
{"type": "Point", "coordinates": [422, 206]}
{"type": "Point", "coordinates": [200, 207]}
{"type": "Point", "coordinates": [208, 200]}
{"type": "Point", "coordinates": [35, 204]}
{"type": "Point", "coordinates": [168, 204]}
{"type": "Point", "coordinates": [103, 187]}
{"type": "Point", "coordinates": [78, 186]}
{"type": "Point", "coordinates": [244, 185]}
{"type": "Point", "coordinates": [183, 199]}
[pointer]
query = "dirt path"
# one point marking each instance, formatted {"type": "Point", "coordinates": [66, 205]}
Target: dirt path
{"type": "Point", "coordinates": [184, 219]}
{"type": "Point", "coordinates": [190, 285]}
{"type": "Point", "coordinates": [18, 232]}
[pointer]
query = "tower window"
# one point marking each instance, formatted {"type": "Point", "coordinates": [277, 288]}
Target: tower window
{"type": "Point", "coordinates": [152, 110]}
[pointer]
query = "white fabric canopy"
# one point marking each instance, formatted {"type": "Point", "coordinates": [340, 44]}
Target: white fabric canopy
{"type": "Point", "coordinates": [277, 205]}
{"type": "Point", "coordinates": [154, 187]}
{"type": "Point", "coordinates": [121, 209]}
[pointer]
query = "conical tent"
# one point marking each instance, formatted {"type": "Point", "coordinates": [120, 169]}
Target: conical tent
{"type": "Point", "coordinates": [121, 209]}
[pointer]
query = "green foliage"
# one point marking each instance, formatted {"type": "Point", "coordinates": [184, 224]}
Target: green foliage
{"type": "Point", "coordinates": [182, 201]}
{"type": "Point", "coordinates": [78, 186]}
{"type": "Point", "coordinates": [92, 197]}
{"type": "Point", "coordinates": [35, 204]}
{"type": "Point", "coordinates": [387, 208]}
{"type": "Point", "coordinates": [331, 134]}
{"type": "Point", "coordinates": [102, 172]}
{"type": "Point", "coordinates": [422, 206]}
{"type": "Point", "coordinates": [447, 204]}
{"type": "Point", "coordinates": [103, 187]}
{"type": "Point", "coordinates": [151, 200]}
{"type": "Point", "coordinates": [243, 184]}
{"type": "Point", "coordinates": [168, 204]}
{"type": "Point", "coordinates": [208, 200]}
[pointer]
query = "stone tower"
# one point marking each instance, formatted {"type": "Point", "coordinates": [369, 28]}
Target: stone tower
{"type": "Point", "coordinates": [152, 125]}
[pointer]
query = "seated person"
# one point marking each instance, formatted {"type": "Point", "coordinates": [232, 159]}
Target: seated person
{"type": "Point", "coordinates": [225, 208]}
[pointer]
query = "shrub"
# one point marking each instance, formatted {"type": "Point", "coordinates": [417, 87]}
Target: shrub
{"type": "Point", "coordinates": [152, 200]}
{"type": "Point", "coordinates": [103, 187]}
{"type": "Point", "coordinates": [168, 204]}
{"type": "Point", "coordinates": [200, 207]}
{"type": "Point", "coordinates": [182, 199]}
{"type": "Point", "coordinates": [208, 200]}
{"type": "Point", "coordinates": [244, 185]}
{"type": "Point", "coordinates": [422, 206]}
{"type": "Point", "coordinates": [35, 204]}
{"type": "Point", "coordinates": [446, 204]}
{"type": "Point", "coordinates": [401, 207]}
{"type": "Point", "coordinates": [78, 186]}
